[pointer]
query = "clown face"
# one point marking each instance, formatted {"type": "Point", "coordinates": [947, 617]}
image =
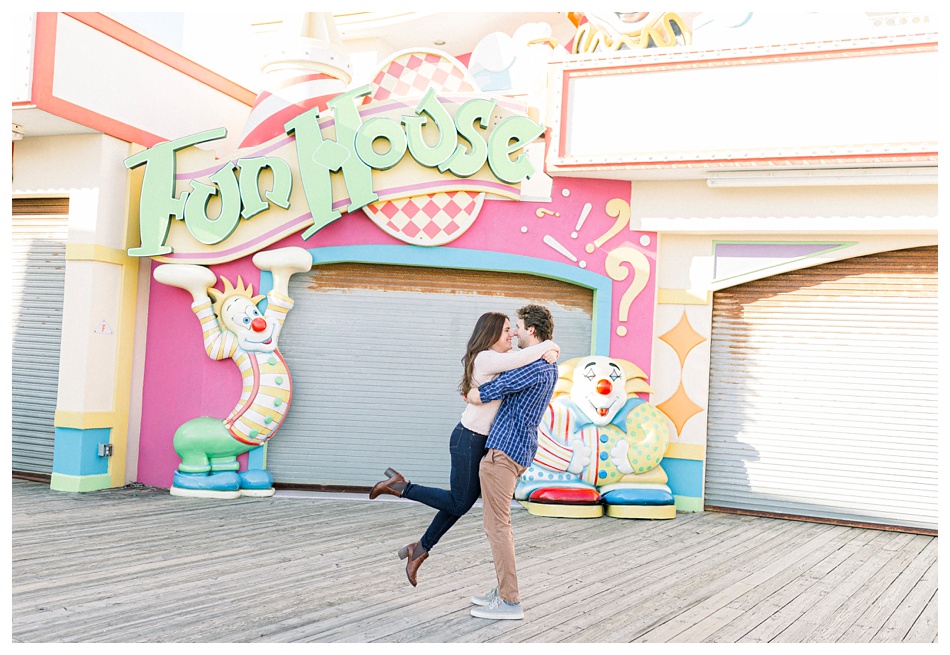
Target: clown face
{"type": "Point", "coordinates": [599, 388]}
{"type": "Point", "coordinates": [254, 332]}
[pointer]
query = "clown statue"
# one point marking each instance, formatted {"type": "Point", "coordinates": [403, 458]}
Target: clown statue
{"type": "Point", "coordinates": [235, 329]}
{"type": "Point", "coordinates": [599, 445]}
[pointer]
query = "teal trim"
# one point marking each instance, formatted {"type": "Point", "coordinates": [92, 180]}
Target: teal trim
{"type": "Point", "coordinates": [686, 476]}
{"type": "Point", "coordinates": [267, 283]}
{"type": "Point", "coordinates": [477, 260]}
{"type": "Point", "coordinates": [256, 458]}
{"type": "Point", "coordinates": [76, 452]}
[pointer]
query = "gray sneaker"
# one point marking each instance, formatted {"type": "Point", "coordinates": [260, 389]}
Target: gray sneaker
{"type": "Point", "coordinates": [498, 609]}
{"type": "Point", "coordinates": [486, 599]}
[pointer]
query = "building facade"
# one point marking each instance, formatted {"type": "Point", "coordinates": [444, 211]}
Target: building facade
{"type": "Point", "coordinates": [741, 207]}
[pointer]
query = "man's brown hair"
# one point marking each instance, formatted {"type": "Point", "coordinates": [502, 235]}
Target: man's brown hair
{"type": "Point", "coordinates": [540, 319]}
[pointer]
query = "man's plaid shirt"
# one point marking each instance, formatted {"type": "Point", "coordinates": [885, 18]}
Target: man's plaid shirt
{"type": "Point", "coordinates": [526, 392]}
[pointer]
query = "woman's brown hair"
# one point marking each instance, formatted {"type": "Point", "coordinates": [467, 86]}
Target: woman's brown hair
{"type": "Point", "coordinates": [488, 329]}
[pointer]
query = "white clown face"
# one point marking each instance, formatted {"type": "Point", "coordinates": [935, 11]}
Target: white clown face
{"type": "Point", "coordinates": [254, 332]}
{"type": "Point", "coordinates": [599, 388]}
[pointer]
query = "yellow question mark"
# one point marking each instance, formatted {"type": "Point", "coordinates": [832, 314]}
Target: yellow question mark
{"type": "Point", "coordinates": [620, 209]}
{"type": "Point", "coordinates": [641, 274]}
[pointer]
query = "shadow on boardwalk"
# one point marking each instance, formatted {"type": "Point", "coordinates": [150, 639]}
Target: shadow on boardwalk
{"type": "Point", "coordinates": [139, 565]}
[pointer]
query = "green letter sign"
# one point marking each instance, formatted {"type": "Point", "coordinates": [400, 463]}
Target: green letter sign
{"type": "Point", "coordinates": [462, 149]}
{"type": "Point", "coordinates": [158, 204]}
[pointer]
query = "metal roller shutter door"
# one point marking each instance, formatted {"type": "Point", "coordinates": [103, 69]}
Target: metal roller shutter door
{"type": "Point", "coordinates": [375, 354]}
{"type": "Point", "coordinates": [37, 276]}
{"type": "Point", "coordinates": [823, 392]}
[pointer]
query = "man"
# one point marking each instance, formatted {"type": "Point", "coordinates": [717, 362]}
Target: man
{"type": "Point", "coordinates": [512, 442]}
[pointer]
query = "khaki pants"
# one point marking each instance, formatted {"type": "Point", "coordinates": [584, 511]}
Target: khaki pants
{"type": "Point", "coordinates": [498, 474]}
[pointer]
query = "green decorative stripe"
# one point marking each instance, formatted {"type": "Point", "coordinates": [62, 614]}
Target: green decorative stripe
{"type": "Point", "coordinates": [688, 504]}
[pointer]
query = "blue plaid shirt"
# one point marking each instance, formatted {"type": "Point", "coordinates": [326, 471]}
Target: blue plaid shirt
{"type": "Point", "coordinates": [526, 392]}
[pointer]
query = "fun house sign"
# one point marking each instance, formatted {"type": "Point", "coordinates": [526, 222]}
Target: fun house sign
{"type": "Point", "coordinates": [357, 154]}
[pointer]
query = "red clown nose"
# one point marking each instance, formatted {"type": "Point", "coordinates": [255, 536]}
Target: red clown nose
{"type": "Point", "coordinates": [259, 325]}
{"type": "Point", "coordinates": [604, 387]}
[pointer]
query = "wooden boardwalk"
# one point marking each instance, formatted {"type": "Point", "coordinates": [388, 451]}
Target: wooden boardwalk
{"type": "Point", "coordinates": [140, 565]}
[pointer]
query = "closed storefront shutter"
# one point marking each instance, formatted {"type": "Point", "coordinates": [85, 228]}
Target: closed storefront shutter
{"type": "Point", "coordinates": [375, 355]}
{"type": "Point", "coordinates": [823, 392]}
{"type": "Point", "coordinates": [37, 276]}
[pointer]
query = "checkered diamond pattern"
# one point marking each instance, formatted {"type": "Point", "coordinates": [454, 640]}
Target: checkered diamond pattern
{"type": "Point", "coordinates": [435, 219]}
{"type": "Point", "coordinates": [413, 73]}
{"type": "Point", "coordinates": [426, 220]}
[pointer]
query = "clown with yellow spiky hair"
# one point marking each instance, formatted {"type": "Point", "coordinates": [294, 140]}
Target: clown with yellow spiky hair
{"type": "Point", "coordinates": [236, 311]}
{"type": "Point", "coordinates": [599, 445]}
{"type": "Point", "coordinates": [234, 328]}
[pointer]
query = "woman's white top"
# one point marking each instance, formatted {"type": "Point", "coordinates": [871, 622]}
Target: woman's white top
{"type": "Point", "coordinates": [488, 364]}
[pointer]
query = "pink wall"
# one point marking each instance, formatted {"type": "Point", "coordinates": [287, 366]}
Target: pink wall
{"type": "Point", "coordinates": [181, 382]}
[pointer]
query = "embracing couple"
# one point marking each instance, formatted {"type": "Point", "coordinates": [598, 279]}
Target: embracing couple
{"type": "Point", "coordinates": [494, 442]}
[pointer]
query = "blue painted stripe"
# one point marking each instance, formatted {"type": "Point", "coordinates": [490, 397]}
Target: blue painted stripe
{"type": "Point", "coordinates": [686, 476]}
{"type": "Point", "coordinates": [76, 452]}
{"type": "Point", "coordinates": [256, 457]}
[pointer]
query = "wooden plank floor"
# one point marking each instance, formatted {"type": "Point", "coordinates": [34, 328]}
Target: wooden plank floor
{"type": "Point", "coordinates": [139, 565]}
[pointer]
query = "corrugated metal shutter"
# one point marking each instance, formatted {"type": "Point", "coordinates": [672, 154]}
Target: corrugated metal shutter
{"type": "Point", "coordinates": [37, 278]}
{"type": "Point", "coordinates": [823, 392]}
{"type": "Point", "coordinates": [375, 354]}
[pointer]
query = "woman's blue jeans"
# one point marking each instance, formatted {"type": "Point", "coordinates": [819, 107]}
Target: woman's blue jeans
{"type": "Point", "coordinates": [467, 449]}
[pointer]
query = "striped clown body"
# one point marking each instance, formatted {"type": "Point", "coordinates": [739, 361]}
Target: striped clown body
{"type": "Point", "coordinates": [266, 383]}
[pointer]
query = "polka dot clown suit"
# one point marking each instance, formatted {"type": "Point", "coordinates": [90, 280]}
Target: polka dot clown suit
{"type": "Point", "coordinates": [599, 447]}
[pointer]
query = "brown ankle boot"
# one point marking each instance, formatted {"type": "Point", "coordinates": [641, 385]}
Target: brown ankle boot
{"type": "Point", "coordinates": [393, 486]}
{"type": "Point", "coordinates": [416, 555]}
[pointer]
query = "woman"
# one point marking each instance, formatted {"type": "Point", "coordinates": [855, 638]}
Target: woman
{"type": "Point", "coordinates": [486, 355]}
